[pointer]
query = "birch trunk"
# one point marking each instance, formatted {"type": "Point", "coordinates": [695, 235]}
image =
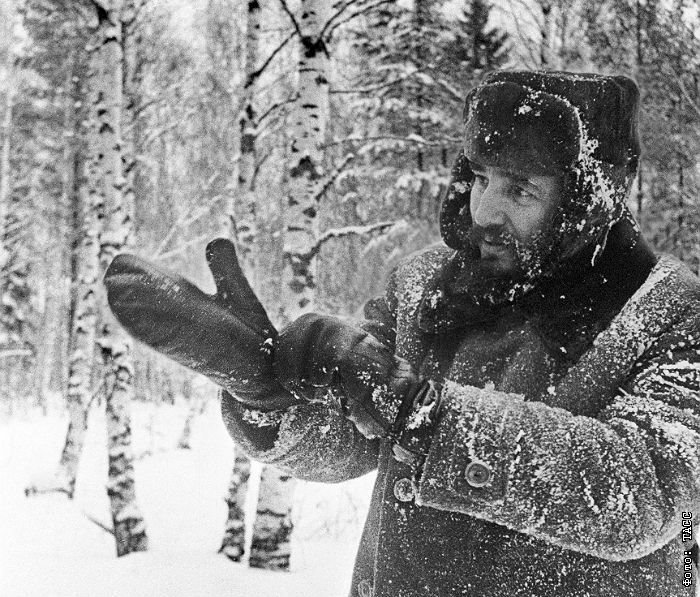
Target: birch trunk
{"type": "Point", "coordinates": [233, 542]}
{"type": "Point", "coordinates": [546, 33]}
{"type": "Point", "coordinates": [82, 346]}
{"type": "Point", "coordinates": [247, 228]}
{"type": "Point", "coordinates": [638, 72]}
{"type": "Point", "coordinates": [271, 545]}
{"type": "Point", "coordinates": [47, 342]}
{"type": "Point", "coordinates": [308, 129]}
{"type": "Point", "coordinates": [49, 350]}
{"type": "Point", "coordinates": [195, 408]}
{"type": "Point", "coordinates": [5, 169]}
{"type": "Point", "coordinates": [116, 213]}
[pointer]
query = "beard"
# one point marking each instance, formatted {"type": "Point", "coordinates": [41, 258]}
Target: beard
{"type": "Point", "coordinates": [485, 280]}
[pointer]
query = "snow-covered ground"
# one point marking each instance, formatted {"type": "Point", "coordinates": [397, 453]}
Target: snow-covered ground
{"type": "Point", "coordinates": [49, 547]}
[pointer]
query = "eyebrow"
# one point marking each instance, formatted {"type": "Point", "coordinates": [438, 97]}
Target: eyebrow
{"type": "Point", "coordinates": [519, 178]}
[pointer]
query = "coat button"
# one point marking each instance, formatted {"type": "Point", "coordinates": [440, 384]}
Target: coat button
{"type": "Point", "coordinates": [403, 490]}
{"type": "Point", "coordinates": [364, 589]}
{"type": "Point", "coordinates": [477, 474]}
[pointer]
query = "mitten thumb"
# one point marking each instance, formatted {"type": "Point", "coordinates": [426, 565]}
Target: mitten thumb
{"type": "Point", "coordinates": [232, 289]}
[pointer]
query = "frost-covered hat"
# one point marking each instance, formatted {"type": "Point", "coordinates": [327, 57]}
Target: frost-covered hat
{"type": "Point", "coordinates": [582, 125]}
{"type": "Point", "coordinates": [545, 121]}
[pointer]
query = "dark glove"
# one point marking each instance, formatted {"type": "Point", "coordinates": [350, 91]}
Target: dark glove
{"type": "Point", "coordinates": [318, 351]}
{"type": "Point", "coordinates": [227, 337]}
{"type": "Point", "coordinates": [417, 424]}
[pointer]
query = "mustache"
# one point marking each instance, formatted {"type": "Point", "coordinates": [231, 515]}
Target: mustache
{"type": "Point", "coordinates": [493, 234]}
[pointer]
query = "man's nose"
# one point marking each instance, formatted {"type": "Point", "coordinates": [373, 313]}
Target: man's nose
{"type": "Point", "coordinates": [489, 208]}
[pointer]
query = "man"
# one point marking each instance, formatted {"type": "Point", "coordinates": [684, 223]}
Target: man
{"type": "Point", "coordinates": [530, 393]}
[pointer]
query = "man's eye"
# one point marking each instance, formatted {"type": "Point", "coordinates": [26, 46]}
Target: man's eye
{"type": "Point", "coordinates": [481, 180]}
{"type": "Point", "coordinates": [523, 194]}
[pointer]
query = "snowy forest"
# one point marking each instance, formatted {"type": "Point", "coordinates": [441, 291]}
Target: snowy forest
{"type": "Point", "coordinates": [319, 137]}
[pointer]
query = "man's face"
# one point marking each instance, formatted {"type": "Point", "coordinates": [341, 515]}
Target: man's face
{"type": "Point", "coordinates": [511, 212]}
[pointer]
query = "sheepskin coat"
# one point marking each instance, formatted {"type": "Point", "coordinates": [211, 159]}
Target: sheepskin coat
{"type": "Point", "coordinates": [558, 466]}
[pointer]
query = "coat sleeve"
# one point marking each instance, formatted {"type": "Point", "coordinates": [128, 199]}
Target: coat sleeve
{"type": "Point", "coordinates": [614, 485]}
{"type": "Point", "coordinates": [312, 440]}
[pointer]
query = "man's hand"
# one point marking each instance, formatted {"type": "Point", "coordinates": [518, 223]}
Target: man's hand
{"type": "Point", "coordinates": [318, 351]}
{"type": "Point", "coordinates": [227, 336]}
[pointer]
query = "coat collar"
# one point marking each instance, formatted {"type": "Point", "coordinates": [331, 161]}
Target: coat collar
{"type": "Point", "coordinates": [569, 308]}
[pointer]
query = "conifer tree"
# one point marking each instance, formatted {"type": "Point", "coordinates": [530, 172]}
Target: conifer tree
{"type": "Point", "coordinates": [656, 42]}
{"type": "Point", "coordinates": [420, 64]}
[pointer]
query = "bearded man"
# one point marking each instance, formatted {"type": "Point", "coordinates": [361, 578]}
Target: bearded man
{"type": "Point", "coordinates": [530, 392]}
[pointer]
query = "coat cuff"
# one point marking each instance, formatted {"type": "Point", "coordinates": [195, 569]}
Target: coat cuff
{"type": "Point", "coordinates": [464, 468]}
{"type": "Point", "coordinates": [268, 437]}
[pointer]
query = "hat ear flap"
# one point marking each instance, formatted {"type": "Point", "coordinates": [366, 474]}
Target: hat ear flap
{"type": "Point", "coordinates": [629, 100]}
{"type": "Point", "coordinates": [455, 217]}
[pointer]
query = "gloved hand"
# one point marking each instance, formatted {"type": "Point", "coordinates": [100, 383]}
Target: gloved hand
{"type": "Point", "coordinates": [415, 429]}
{"type": "Point", "coordinates": [318, 351]}
{"type": "Point", "coordinates": [227, 336]}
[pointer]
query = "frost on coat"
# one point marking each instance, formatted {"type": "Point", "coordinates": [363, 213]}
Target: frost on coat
{"type": "Point", "coordinates": [613, 486]}
{"type": "Point", "coordinates": [576, 504]}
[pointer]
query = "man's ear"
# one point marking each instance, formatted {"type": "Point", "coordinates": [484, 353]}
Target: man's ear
{"type": "Point", "coordinates": [454, 223]}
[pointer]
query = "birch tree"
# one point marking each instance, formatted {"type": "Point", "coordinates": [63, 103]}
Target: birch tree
{"type": "Point", "coordinates": [307, 130]}
{"type": "Point", "coordinates": [307, 182]}
{"type": "Point", "coordinates": [245, 232]}
{"type": "Point", "coordinates": [13, 223]}
{"type": "Point", "coordinates": [247, 126]}
{"type": "Point", "coordinates": [8, 72]}
{"type": "Point", "coordinates": [271, 546]}
{"type": "Point", "coordinates": [233, 542]}
{"type": "Point", "coordinates": [107, 186]}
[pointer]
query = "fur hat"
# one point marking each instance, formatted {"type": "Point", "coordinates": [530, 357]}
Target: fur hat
{"type": "Point", "coordinates": [581, 125]}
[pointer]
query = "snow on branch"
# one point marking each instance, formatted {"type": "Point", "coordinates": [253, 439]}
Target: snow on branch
{"type": "Point", "coordinates": [330, 180]}
{"type": "Point", "coordinates": [156, 133]}
{"type": "Point", "coordinates": [347, 231]}
{"type": "Point", "coordinates": [683, 89]}
{"type": "Point", "coordinates": [411, 139]}
{"type": "Point", "coordinates": [15, 352]}
{"type": "Point", "coordinates": [373, 88]}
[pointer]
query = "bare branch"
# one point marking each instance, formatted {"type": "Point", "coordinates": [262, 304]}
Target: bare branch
{"type": "Point", "coordinates": [187, 218]}
{"type": "Point", "coordinates": [255, 74]}
{"type": "Point", "coordinates": [103, 526]}
{"type": "Point", "coordinates": [354, 15]}
{"type": "Point", "coordinates": [274, 107]}
{"type": "Point", "coordinates": [292, 18]}
{"type": "Point", "coordinates": [256, 170]}
{"type": "Point", "coordinates": [454, 93]}
{"type": "Point", "coordinates": [143, 106]}
{"type": "Point", "coordinates": [344, 6]}
{"type": "Point", "coordinates": [182, 247]}
{"type": "Point", "coordinates": [684, 90]}
{"type": "Point", "coordinates": [169, 127]}
{"type": "Point", "coordinates": [526, 39]}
